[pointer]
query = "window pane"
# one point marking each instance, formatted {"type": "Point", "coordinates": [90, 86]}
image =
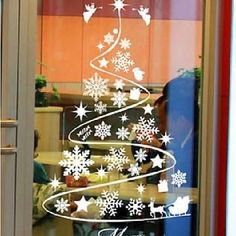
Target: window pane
{"type": "Point", "coordinates": [120, 81]}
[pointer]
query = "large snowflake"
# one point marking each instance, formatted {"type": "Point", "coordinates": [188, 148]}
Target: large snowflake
{"type": "Point", "coordinates": [178, 178]}
{"type": "Point", "coordinates": [62, 205]}
{"type": "Point", "coordinates": [102, 130]}
{"type": "Point", "coordinates": [116, 159]}
{"type": "Point", "coordinates": [122, 133]}
{"type": "Point", "coordinates": [135, 207]}
{"type": "Point", "coordinates": [146, 129]}
{"type": "Point", "coordinates": [122, 61]}
{"type": "Point", "coordinates": [77, 162]}
{"type": "Point", "coordinates": [108, 203]}
{"type": "Point", "coordinates": [95, 87]}
{"type": "Point", "coordinates": [100, 107]}
{"type": "Point", "coordinates": [119, 99]}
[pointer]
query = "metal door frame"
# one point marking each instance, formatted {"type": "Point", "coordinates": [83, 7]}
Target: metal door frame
{"type": "Point", "coordinates": [17, 92]}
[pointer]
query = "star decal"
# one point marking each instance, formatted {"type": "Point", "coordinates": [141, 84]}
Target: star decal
{"type": "Point", "coordinates": [81, 111]}
{"type": "Point", "coordinates": [148, 109]}
{"type": "Point", "coordinates": [165, 138]}
{"type": "Point", "coordinates": [100, 46]}
{"type": "Point", "coordinates": [103, 62]}
{"type": "Point", "coordinates": [119, 5]}
{"type": "Point", "coordinates": [82, 204]}
{"type": "Point", "coordinates": [157, 161]}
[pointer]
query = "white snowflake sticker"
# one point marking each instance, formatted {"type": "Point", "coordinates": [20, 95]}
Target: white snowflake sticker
{"type": "Point", "coordinates": [134, 169]}
{"type": "Point", "coordinates": [125, 43]}
{"type": "Point", "coordinates": [102, 130]}
{"type": "Point", "coordinates": [119, 84]}
{"type": "Point", "coordinates": [178, 178]}
{"type": "Point", "coordinates": [116, 159]}
{"type": "Point", "coordinates": [108, 203]}
{"type": "Point", "coordinates": [76, 162]}
{"type": "Point", "coordinates": [100, 107]}
{"type": "Point", "coordinates": [165, 138]}
{"type": "Point", "coordinates": [122, 133]}
{"type": "Point", "coordinates": [62, 205]}
{"type": "Point", "coordinates": [124, 118]}
{"type": "Point", "coordinates": [119, 99]}
{"type": "Point", "coordinates": [96, 87]}
{"type": "Point", "coordinates": [109, 38]}
{"type": "Point", "coordinates": [122, 61]}
{"type": "Point", "coordinates": [141, 188]}
{"type": "Point", "coordinates": [140, 155]}
{"type": "Point", "coordinates": [146, 129]}
{"type": "Point", "coordinates": [135, 207]}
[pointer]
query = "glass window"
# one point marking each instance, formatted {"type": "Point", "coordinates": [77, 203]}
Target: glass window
{"type": "Point", "coordinates": [117, 113]}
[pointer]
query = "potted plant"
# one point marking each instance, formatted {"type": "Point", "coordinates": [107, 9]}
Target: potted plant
{"type": "Point", "coordinates": [40, 97]}
{"type": "Point", "coordinates": [41, 100]}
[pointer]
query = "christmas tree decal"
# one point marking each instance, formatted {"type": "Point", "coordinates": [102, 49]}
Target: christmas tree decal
{"type": "Point", "coordinates": [114, 51]}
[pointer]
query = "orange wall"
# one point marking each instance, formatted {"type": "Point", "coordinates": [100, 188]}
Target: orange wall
{"type": "Point", "coordinates": [160, 49]}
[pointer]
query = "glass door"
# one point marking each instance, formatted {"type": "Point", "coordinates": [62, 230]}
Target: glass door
{"type": "Point", "coordinates": [117, 135]}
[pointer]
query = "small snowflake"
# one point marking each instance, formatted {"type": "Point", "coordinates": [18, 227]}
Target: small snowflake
{"type": "Point", "coordinates": [54, 182]}
{"type": "Point", "coordinates": [116, 159]}
{"type": "Point", "coordinates": [146, 129]}
{"type": "Point", "coordinates": [109, 38]}
{"type": "Point", "coordinates": [134, 169]}
{"type": "Point", "coordinates": [140, 155]}
{"type": "Point", "coordinates": [165, 138]}
{"type": "Point", "coordinates": [123, 133]}
{"type": "Point", "coordinates": [62, 205]}
{"type": "Point", "coordinates": [100, 107]}
{"type": "Point", "coordinates": [108, 203]}
{"type": "Point", "coordinates": [102, 130]}
{"type": "Point", "coordinates": [135, 207]}
{"type": "Point", "coordinates": [124, 118]}
{"type": "Point", "coordinates": [125, 44]}
{"type": "Point", "coordinates": [95, 87]}
{"type": "Point", "coordinates": [119, 84]}
{"type": "Point", "coordinates": [101, 172]}
{"type": "Point", "coordinates": [119, 99]}
{"type": "Point", "coordinates": [140, 188]}
{"type": "Point", "coordinates": [179, 178]}
{"type": "Point", "coordinates": [77, 162]}
{"type": "Point", "coordinates": [122, 61]}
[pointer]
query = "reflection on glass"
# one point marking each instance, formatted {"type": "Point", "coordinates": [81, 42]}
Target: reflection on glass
{"type": "Point", "coordinates": [122, 139]}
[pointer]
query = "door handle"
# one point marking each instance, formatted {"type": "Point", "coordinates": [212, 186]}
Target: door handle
{"type": "Point", "coordinates": [8, 150]}
{"type": "Point", "coordinates": [10, 123]}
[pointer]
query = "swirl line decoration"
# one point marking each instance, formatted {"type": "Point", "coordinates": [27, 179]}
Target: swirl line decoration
{"type": "Point", "coordinates": [78, 162]}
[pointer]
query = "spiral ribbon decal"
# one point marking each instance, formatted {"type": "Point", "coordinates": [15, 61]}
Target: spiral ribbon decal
{"type": "Point", "coordinates": [78, 161]}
